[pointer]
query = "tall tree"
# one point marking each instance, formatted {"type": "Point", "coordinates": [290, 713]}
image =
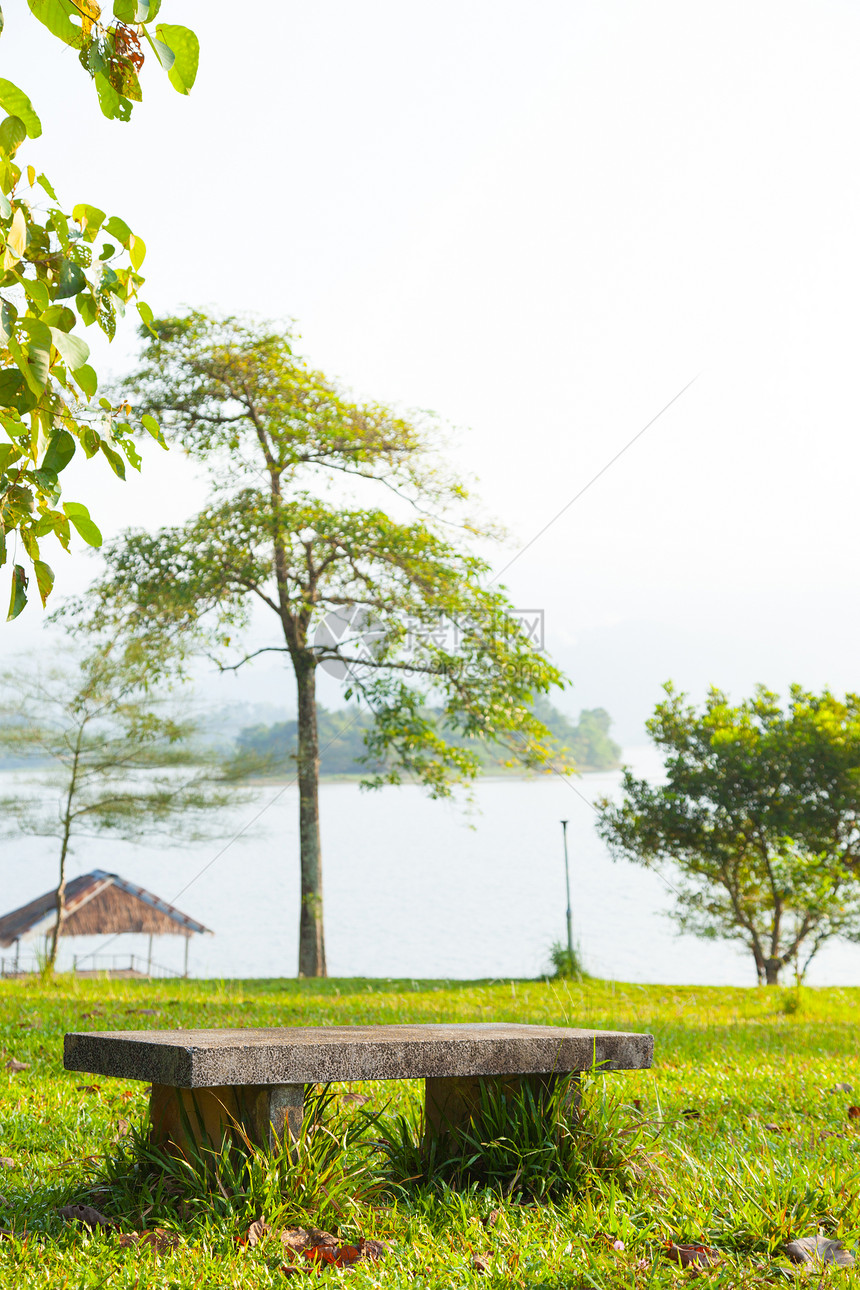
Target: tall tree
{"type": "Point", "coordinates": [58, 269]}
{"type": "Point", "coordinates": [758, 820]}
{"type": "Point", "coordinates": [391, 603]}
{"type": "Point", "coordinates": [109, 756]}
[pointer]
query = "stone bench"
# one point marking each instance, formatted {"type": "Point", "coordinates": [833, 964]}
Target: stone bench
{"type": "Point", "coordinates": [210, 1079]}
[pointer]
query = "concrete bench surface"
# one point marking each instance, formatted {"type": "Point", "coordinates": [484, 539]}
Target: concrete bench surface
{"type": "Point", "coordinates": [318, 1054]}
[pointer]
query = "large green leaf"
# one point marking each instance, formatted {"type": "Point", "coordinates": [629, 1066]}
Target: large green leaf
{"type": "Point", "coordinates": [119, 229]}
{"type": "Point", "coordinates": [39, 332]}
{"type": "Point", "coordinates": [16, 103]}
{"type": "Point", "coordinates": [11, 384]}
{"type": "Point", "coordinates": [113, 106]}
{"type": "Point", "coordinates": [72, 280]}
{"type": "Point", "coordinates": [60, 452]}
{"type": "Point", "coordinates": [163, 53]}
{"type": "Point", "coordinates": [13, 132]}
{"type": "Point", "coordinates": [57, 16]}
{"type": "Point", "coordinates": [80, 517]}
{"type": "Point", "coordinates": [135, 11]}
{"type": "Point", "coordinates": [86, 379]}
{"type": "Point", "coordinates": [116, 462]}
{"type": "Point", "coordinates": [8, 315]}
{"type": "Point", "coordinates": [44, 579]}
{"type": "Point", "coordinates": [19, 593]}
{"type": "Point", "coordinates": [90, 219]}
{"type": "Point", "coordinates": [73, 351]}
{"type": "Point", "coordinates": [185, 48]}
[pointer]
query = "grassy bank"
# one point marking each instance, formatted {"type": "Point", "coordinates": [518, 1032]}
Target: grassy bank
{"type": "Point", "coordinates": [744, 1146]}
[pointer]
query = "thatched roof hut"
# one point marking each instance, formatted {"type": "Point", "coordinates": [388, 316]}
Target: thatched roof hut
{"type": "Point", "coordinates": [98, 904]}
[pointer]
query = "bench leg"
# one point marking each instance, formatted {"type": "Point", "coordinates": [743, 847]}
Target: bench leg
{"type": "Point", "coordinates": [199, 1117]}
{"type": "Point", "coordinates": [451, 1102]}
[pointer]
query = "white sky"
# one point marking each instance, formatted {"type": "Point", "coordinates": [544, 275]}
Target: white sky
{"type": "Point", "coordinates": [541, 221]}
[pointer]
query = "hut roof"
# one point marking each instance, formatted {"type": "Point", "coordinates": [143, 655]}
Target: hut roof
{"type": "Point", "coordinates": [98, 903]}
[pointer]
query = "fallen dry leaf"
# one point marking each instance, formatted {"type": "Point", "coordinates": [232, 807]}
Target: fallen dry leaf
{"type": "Point", "coordinates": [841, 1088]}
{"type": "Point", "coordinates": [6, 1162]}
{"type": "Point", "coordinates": [122, 1130]}
{"type": "Point", "coordinates": [854, 1113]}
{"type": "Point", "coordinates": [255, 1233]}
{"type": "Point", "coordinates": [354, 1099]}
{"type": "Point", "coordinates": [315, 1245]}
{"type": "Point", "coordinates": [692, 1256]}
{"type": "Point", "coordinates": [773, 1128]}
{"type": "Point", "coordinates": [88, 1088]}
{"type": "Point", "coordinates": [481, 1263]}
{"type": "Point", "coordinates": [14, 1066]}
{"type": "Point", "coordinates": [87, 1215]}
{"type": "Point", "coordinates": [305, 1238]}
{"type": "Point", "coordinates": [690, 1113]}
{"type": "Point", "coordinates": [159, 1241]}
{"type": "Point", "coordinates": [336, 1256]}
{"type": "Point", "coordinates": [492, 1218]}
{"type": "Point", "coordinates": [373, 1250]}
{"type": "Point", "coordinates": [818, 1249]}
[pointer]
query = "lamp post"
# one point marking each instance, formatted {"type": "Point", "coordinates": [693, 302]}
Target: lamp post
{"type": "Point", "coordinates": [567, 883]}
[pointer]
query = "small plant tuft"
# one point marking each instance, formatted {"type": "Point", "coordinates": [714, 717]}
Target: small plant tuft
{"type": "Point", "coordinates": [567, 966]}
{"type": "Point", "coordinates": [525, 1145]}
{"type": "Point", "coordinates": [324, 1177]}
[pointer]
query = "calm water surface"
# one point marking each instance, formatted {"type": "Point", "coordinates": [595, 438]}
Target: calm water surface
{"type": "Point", "coordinates": [413, 888]}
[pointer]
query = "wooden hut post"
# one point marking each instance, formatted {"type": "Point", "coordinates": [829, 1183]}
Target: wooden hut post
{"type": "Point", "coordinates": [187, 943]}
{"type": "Point", "coordinates": [149, 957]}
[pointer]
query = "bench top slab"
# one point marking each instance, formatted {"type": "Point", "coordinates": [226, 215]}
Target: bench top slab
{"type": "Point", "coordinates": [319, 1054]}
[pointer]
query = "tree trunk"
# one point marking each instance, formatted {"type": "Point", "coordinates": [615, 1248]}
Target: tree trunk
{"type": "Point", "coordinates": [772, 967]}
{"type": "Point", "coordinates": [64, 851]}
{"type": "Point", "coordinates": [311, 939]}
{"type": "Point", "coordinates": [61, 908]}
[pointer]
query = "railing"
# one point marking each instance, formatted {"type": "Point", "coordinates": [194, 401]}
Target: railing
{"type": "Point", "coordinates": [26, 965]}
{"type": "Point", "coordinates": [96, 963]}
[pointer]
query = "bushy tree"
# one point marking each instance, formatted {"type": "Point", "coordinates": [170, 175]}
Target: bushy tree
{"type": "Point", "coordinates": [108, 756]}
{"type": "Point", "coordinates": [391, 600]}
{"type": "Point", "coordinates": [758, 820]}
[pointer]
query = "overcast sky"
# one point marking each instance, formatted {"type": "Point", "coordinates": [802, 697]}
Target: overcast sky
{"type": "Point", "coordinates": [541, 221]}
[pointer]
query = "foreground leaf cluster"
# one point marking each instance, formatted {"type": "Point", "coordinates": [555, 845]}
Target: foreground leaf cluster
{"type": "Point", "coordinates": [60, 269]}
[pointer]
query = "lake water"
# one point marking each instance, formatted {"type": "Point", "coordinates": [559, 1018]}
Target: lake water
{"type": "Point", "coordinates": [413, 888]}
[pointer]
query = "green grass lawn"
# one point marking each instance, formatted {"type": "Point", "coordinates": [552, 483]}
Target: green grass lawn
{"type": "Point", "coordinates": [743, 1143]}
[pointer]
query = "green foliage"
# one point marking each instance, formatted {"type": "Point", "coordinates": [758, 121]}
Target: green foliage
{"type": "Point", "coordinates": [760, 815]}
{"type": "Point", "coordinates": [58, 270]}
{"type": "Point", "coordinates": [526, 1143]}
{"type": "Point", "coordinates": [111, 47]}
{"type": "Point", "coordinates": [756, 1145]}
{"type": "Point", "coordinates": [567, 966]}
{"type": "Point", "coordinates": [324, 1177]}
{"type": "Point", "coordinates": [393, 601]}
{"type": "Point", "coordinates": [273, 749]}
{"type": "Point", "coordinates": [587, 740]}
